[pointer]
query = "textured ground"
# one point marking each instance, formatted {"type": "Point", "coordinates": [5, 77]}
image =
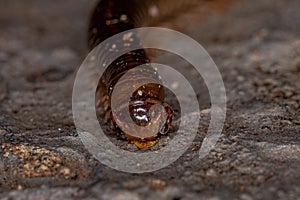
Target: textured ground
{"type": "Point", "coordinates": [256, 46]}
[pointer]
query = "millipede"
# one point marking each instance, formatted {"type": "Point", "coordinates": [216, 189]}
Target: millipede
{"type": "Point", "coordinates": [111, 17]}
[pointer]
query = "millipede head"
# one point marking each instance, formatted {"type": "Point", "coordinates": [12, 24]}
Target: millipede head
{"type": "Point", "coordinates": [149, 118]}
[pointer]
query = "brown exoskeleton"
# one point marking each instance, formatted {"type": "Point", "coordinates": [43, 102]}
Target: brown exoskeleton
{"type": "Point", "coordinates": [146, 105]}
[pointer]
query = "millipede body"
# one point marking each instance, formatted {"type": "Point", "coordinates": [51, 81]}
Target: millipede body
{"type": "Point", "coordinates": [109, 18]}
